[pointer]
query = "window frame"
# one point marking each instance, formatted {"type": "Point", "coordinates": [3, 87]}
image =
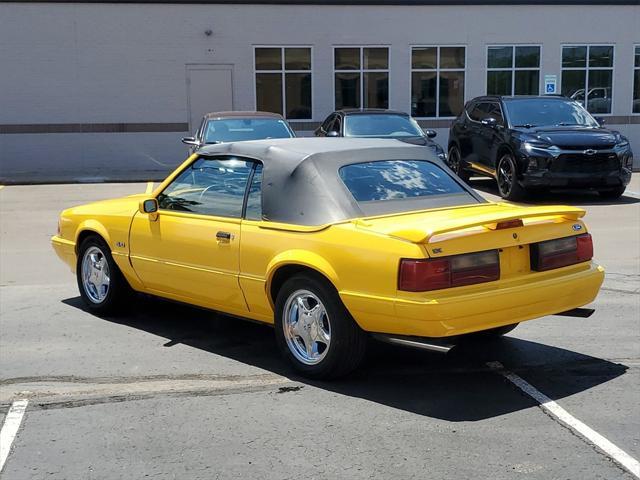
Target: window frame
{"type": "Point", "coordinates": [283, 71]}
{"type": "Point", "coordinates": [586, 70]}
{"type": "Point", "coordinates": [221, 157]}
{"type": "Point", "coordinates": [513, 69]}
{"type": "Point", "coordinates": [633, 77]}
{"type": "Point", "coordinates": [437, 72]}
{"type": "Point", "coordinates": [361, 71]}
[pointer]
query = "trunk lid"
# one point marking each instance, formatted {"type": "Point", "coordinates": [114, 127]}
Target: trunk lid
{"type": "Point", "coordinates": [474, 228]}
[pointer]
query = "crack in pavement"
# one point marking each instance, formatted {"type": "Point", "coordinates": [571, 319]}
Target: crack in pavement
{"type": "Point", "coordinates": [62, 392]}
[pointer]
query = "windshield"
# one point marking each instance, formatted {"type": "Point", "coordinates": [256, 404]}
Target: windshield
{"type": "Point", "coordinates": [381, 125]}
{"type": "Point", "coordinates": [240, 129]}
{"type": "Point", "coordinates": [538, 112]}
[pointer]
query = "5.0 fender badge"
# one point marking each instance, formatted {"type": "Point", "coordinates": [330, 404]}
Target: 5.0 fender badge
{"type": "Point", "coordinates": [576, 226]}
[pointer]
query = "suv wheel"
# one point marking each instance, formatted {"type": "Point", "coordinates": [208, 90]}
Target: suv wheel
{"type": "Point", "coordinates": [454, 161]}
{"type": "Point", "coordinates": [507, 178]}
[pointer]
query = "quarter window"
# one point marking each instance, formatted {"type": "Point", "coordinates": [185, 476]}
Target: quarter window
{"type": "Point", "coordinates": [283, 81]}
{"type": "Point", "coordinates": [361, 77]}
{"type": "Point", "coordinates": [587, 76]}
{"type": "Point", "coordinates": [513, 70]}
{"type": "Point", "coordinates": [437, 81]}
{"type": "Point", "coordinates": [636, 79]}
{"type": "Point", "coordinates": [209, 187]}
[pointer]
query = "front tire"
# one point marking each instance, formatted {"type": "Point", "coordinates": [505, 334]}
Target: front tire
{"type": "Point", "coordinates": [507, 178]}
{"type": "Point", "coordinates": [102, 286]}
{"type": "Point", "coordinates": [454, 160]}
{"type": "Point", "coordinates": [314, 330]}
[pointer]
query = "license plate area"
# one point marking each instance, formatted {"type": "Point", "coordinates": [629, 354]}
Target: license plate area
{"type": "Point", "coordinates": [514, 261]}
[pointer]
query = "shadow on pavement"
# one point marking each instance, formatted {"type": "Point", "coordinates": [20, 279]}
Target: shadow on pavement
{"type": "Point", "coordinates": [453, 387]}
{"type": "Point", "coordinates": [575, 197]}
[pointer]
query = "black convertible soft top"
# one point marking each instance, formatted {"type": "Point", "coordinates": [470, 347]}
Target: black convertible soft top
{"type": "Point", "coordinates": [301, 184]}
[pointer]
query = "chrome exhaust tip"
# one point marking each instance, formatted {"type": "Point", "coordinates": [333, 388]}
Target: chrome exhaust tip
{"type": "Point", "coordinates": [431, 344]}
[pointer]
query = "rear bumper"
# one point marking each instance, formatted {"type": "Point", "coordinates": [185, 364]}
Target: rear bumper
{"type": "Point", "coordinates": [590, 180]}
{"type": "Point", "coordinates": [66, 251]}
{"type": "Point", "coordinates": [476, 309]}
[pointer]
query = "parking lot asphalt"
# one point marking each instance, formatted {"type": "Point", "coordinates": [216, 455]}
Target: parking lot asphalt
{"type": "Point", "coordinates": [170, 391]}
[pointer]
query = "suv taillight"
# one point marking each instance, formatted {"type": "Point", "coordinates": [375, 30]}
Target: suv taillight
{"type": "Point", "coordinates": [421, 275]}
{"type": "Point", "coordinates": [561, 252]}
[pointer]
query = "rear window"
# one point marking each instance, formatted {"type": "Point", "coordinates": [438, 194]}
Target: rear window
{"type": "Point", "coordinates": [399, 180]}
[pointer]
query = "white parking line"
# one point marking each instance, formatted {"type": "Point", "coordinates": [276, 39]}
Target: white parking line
{"type": "Point", "coordinates": [10, 428]}
{"type": "Point", "coordinates": [552, 408]}
{"type": "Point", "coordinates": [632, 194]}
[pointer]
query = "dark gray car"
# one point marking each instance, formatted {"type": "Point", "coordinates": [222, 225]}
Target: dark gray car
{"type": "Point", "coordinates": [378, 123]}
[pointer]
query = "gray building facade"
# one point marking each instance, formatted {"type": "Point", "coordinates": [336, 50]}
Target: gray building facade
{"type": "Point", "coordinates": [104, 91]}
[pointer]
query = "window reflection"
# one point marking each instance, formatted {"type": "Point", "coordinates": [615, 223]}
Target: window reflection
{"type": "Point", "coordinates": [397, 179]}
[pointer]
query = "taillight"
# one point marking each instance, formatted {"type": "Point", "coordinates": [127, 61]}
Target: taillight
{"type": "Point", "coordinates": [421, 275]}
{"type": "Point", "coordinates": [561, 252]}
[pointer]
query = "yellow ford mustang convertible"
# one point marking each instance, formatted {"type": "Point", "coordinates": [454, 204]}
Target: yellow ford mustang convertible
{"type": "Point", "coordinates": [331, 240]}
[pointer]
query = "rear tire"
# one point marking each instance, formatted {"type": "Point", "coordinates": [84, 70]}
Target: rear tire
{"type": "Point", "coordinates": [492, 333]}
{"type": "Point", "coordinates": [454, 160]}
{"type": "Point", "coordinates": [507, 177]}
{"type": "Point", "coordinates": [314, 330]}
{"type": "Point", "coordinates": [102, 286]}
{"type": "Point", "coordinates": [612, 194]}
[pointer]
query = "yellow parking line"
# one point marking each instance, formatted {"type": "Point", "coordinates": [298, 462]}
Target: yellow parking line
{"type": "Point", "coordinates": [1, 187]}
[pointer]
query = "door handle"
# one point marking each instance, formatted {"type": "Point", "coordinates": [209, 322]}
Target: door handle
{"type": "Point", "coordinates": [226, 236]}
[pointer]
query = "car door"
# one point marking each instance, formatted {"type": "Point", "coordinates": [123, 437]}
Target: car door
{"type": "Point", "coordinates": [474, 145]}
{"type": "Point", "coordinates": [490, 136]}
{"type": "Point", "coordinates": [462, 128]}
{"type": "Point", "coordinates": [190, 252]}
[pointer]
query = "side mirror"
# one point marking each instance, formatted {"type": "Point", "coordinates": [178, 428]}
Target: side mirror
{"type": "Point", "coordinates": [150, 207]}
{"type": "Point", "coordinates": [317, 131]}
{"type": "Point", "coordinates": [600, 120]}
{"type": "Point", "coordinates": [430, 133]}
{"type": "Point", "coordinates": [333, 133]}
{"type": "Point", "coordinates": [489, 122]}
{"type": "Point", "coordinates": [190, 141]}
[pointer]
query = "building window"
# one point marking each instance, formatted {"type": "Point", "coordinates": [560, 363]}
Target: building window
{"type": "Point", "coordinates": [636, 80]}
{"type": "Point", "coordinates": [361, 77]}
{"type": "Point", "coordinates": [437, 81]}
{"type": "Point", "coordinates": [283, 81]}
{"type": "Point", "coordinates": [587, 73]}
{"type": "Point", "coordinates": [513, 70]}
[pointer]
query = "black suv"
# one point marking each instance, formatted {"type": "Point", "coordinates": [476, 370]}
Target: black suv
{"type": "Point", "coordinates": [536, 143]}
{"type": "Point", "coordinates": [378, 123]}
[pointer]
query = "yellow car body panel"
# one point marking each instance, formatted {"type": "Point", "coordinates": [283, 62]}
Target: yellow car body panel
{"type": "Point", "coordinates": [178, 256]}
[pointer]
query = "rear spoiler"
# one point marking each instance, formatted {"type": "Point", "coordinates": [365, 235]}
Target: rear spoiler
{"type": "Point", "coordinates": [488, 221]}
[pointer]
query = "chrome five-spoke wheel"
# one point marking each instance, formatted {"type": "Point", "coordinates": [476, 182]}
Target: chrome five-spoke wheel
{"type": "Point", "coordinates": [95, 274]}
{"type": "Point", "coordinates": [306, 327]}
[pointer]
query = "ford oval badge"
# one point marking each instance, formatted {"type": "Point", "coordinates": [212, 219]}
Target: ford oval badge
{"type": "Point", "coordinates": [577, 226]}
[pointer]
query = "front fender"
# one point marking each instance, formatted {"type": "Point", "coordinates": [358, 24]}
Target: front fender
{"type": "Point", "coordinates": [93, 225]}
